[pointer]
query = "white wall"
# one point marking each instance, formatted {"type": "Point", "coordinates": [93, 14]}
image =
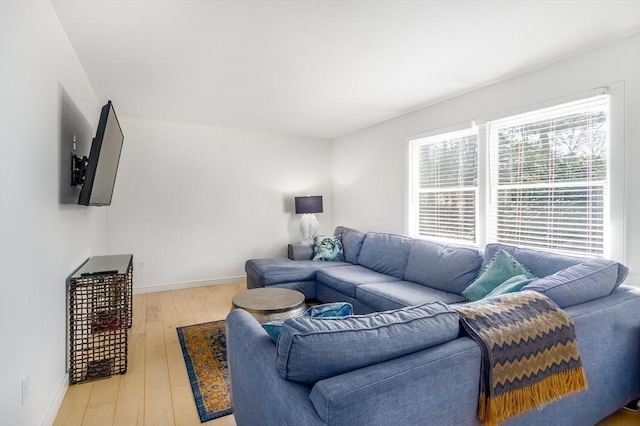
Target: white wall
{"type": "Point", "coordinates": [369, 172]}
{"type": "Point", "coordinates": [41, 241]}
{"type": "Point", "coordinates": [194, 202]}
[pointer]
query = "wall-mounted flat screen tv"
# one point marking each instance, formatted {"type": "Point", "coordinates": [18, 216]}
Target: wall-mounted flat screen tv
{"type": "Point", "coordinates": [102, 164]}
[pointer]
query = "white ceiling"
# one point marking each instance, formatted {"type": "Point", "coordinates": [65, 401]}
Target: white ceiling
{"type": "Point", "coordinates": [320, 68]}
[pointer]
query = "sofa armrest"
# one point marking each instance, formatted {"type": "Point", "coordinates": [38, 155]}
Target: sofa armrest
{"type": "Point", "coordinates": [259, 395]}
{"type": "Point", "coordinates": [300, 251]}
{"type": "Point", "coordinates": [439, 383]}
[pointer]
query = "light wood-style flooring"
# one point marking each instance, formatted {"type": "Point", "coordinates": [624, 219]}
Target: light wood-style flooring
{"type": "Point", "coordinates": [156, 390]}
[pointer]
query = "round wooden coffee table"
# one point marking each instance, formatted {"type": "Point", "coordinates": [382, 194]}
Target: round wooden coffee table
{"type": "Point", "coordinates": [270, 304]}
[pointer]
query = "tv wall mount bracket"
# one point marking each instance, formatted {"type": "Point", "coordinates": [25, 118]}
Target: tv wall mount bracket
{"type": "Point", "coordinates": [78, 169]}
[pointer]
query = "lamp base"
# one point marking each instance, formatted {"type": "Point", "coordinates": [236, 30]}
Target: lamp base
{"type": "Point", "coordinates": [308, 227]}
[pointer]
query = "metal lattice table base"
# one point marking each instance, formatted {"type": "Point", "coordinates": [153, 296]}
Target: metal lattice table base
{"type": "Point", "coordinates": [279, 316]}
{"type": "Point", "coordinates": [270, 304]}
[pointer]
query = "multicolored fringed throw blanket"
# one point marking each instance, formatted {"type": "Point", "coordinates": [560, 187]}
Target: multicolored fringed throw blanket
{"type": "Point", "coordinates": [529, 353]}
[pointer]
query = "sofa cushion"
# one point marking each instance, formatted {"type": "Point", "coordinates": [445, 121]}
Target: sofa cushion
{"type": "Point", "coordinates": [336, 309]}
{"type": "Point", "coordinates": [502, 267]}
{"type": "Point", "coordinates": [542, 263]}
{"type": "Point", "coordinates": [308, 288]}
{"type": "Point", "coordinates": [311, 349]}
{"type": "Point", "coordinates": [278, 270]}
{"type": "Point", "coordinates": [385, 253]}
{"type": "Point", "coordinates": [352, 242]}
{"type": "Point", "coordinates": [445, 267]}
{"type": "Point", "coordinates": [347, 278]}
{"type": "Point", "coordinates": [580, 283]}
{"type": "Point", "coordinates": [328, 248]}
{"type": "Point", "coordinates": [398, 294]}
{"type": "Point", "coordinates": [511, 285]}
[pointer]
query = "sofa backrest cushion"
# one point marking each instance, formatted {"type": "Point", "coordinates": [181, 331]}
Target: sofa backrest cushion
{"type": "Point", "coordinates": [442, 266]}
{"type": "Point", "coordinates": [312, 349]}
{"type": "Point", "coordinates": [542, 263]}
{"type": "Point", "coordinates": [385, 253]}
{"type": "Point", "coordinates": [352, 240]}
{"type": "Point", "coordinates": [579, 283]}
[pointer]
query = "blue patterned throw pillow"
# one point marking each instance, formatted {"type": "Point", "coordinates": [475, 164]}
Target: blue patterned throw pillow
{"type": "Point", "coordinates": [337, 309]}
{"type": "Point", "coordinates": [328, 248]}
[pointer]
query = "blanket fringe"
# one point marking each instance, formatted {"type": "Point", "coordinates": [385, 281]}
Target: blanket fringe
{"type": "Point", "coordinates": [493, 410]}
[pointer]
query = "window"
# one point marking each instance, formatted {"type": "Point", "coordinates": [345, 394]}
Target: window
{"type": "Point", "coordinates": [547, 184]}
{"type": "Point", "coordinates": [445, 186]}
{"type": "Point", "coordinates": [549, 178]}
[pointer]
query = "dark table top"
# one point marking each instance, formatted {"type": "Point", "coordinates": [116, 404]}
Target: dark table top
{"type": "Point", "coordinates": [103, 265]}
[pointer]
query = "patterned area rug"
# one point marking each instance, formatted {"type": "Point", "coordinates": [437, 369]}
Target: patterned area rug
{"type": "Point", "coordinates": [205, 354]}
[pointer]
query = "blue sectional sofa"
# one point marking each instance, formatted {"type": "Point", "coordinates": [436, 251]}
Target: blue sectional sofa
{"type": "Point", "coordinates": [404, 359]}
{"type": "Point", "coordinates": [381, 271]}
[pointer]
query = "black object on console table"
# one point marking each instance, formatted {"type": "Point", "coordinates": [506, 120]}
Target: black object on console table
{"type": "Point", "coordinates": [100, 295]}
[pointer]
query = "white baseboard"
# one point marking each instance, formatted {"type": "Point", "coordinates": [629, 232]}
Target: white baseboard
{"type": "Point", "coordinates": [52, 412]}
{"type": "Point", "coordinates": [190, 284]}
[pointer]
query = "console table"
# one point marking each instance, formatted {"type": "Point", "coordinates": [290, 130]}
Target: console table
{"type": "Point", "coordinates": [100, 311]}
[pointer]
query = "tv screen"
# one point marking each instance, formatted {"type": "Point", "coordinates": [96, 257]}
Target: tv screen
{"type": "Point", "coordinates": [102, 166]}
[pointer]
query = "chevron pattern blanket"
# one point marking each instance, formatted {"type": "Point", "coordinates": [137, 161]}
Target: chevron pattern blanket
{"type": "Point", "coordinates": [529, 353]}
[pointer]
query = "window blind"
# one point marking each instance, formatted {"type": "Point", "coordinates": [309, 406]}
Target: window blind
{"type": "Point", "coordinates": [548, 178]}
{"type": "Point", "coordinates": [444, 186]}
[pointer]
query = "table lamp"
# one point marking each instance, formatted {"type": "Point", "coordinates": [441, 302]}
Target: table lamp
{"type": "Point", "coordinates": [307, 206]}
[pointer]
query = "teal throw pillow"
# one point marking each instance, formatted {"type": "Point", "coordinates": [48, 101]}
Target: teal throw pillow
{"type": "Point", "coordinates": [273, 329]}
{"type": "Point", "coordinates": [328, 248]}
{"type": "Point", "coordinates": [511, 285]}
{"type": "Point", "coordinates": [337, 309]}
{"type": "Point", "coordinates": [502, 267]}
